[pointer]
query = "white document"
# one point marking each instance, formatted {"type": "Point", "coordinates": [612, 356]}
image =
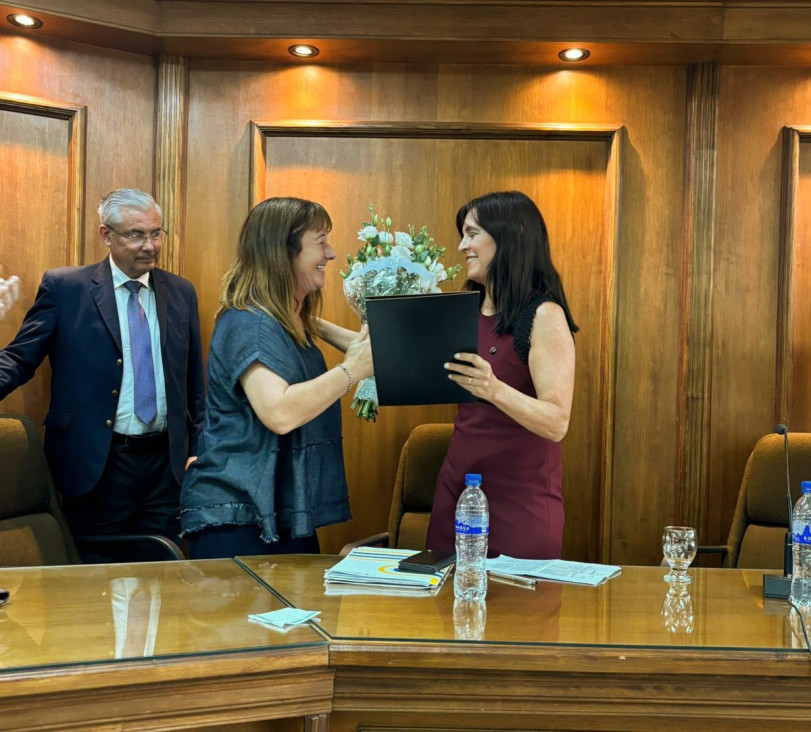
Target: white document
{"type": "Point", "coordinates": [555, 570]}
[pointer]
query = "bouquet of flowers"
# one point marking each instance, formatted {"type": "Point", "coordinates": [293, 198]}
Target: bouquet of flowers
{"type": "Point", "coordinates": [390, 263]}
{"type": "Point", "coordinates": [9, 293]}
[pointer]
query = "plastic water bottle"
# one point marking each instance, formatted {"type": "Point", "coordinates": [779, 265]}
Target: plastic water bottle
{"type": "Point", "coordinates": [801, 528]}
{"type": "Point", "coordinates": [472, 529]}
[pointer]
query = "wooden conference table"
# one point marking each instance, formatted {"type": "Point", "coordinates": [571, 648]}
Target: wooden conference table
{"type": "Point", "coordinates": [166, 646]}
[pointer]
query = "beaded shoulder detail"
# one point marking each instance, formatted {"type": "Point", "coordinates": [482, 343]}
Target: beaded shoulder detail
{"type": "Point", "coordinates": [523, 326]}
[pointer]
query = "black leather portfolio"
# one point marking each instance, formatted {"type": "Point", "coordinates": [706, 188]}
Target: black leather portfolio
{"type": "Point", "coordinates": [412, 337]}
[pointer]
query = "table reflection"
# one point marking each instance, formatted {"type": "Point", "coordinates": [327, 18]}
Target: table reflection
{"type": "Point", "coordinates": [678, 614]}
{"type": "Point", "coordinates": [469, 619]}
{"type": "Point", "coordinates": [93, 613]}
{"type": "Point", "coordinates": [800, 624]}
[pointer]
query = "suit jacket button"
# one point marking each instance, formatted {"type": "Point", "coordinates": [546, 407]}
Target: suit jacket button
{"type": "Point", "coordinates": [109, 423]}
{"type": "Point", "coordinates": [115, 392]}
{"type": "Point", "coordinates": [119, 362]}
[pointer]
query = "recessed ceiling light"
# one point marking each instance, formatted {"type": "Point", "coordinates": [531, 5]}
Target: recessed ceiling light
{"type": "Point", "coordinates": [24, 21]}
{"type": "Point", "coordinates": [574, 54]}
{"type": "Point", "coordinates": [303, 50]}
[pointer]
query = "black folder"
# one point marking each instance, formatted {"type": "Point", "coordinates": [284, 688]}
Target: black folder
{"type": "Point", "coordinates": [412, 337]}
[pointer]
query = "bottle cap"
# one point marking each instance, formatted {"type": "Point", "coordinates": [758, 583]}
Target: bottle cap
{"type": "Point", "coordinates": [806, 486]}
{"type": "Point", "coordinates": [476, 479]}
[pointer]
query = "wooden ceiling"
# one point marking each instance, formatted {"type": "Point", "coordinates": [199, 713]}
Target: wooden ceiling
{"type": "Point", "coordinates": [517, 32]}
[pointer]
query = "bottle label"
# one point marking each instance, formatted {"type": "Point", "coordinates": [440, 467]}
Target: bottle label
{"type": "Point", "coordinates": [463, 528]}
{"type": "Point", "coordinates": [802, 532]}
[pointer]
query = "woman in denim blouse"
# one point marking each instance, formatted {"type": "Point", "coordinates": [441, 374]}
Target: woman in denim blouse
{"type": "Point", "coordinates": [270, 468]}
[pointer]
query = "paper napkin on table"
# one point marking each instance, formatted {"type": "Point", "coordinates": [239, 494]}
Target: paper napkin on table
{"type": "Point", "coordinates": [284, 619]}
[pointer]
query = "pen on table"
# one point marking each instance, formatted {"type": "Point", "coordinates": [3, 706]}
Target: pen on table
{"type": "Point", "coordinates": [513, 579]}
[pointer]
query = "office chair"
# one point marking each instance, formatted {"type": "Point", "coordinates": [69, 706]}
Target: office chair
{"type": "Point", "coordinates": [756, 537]}
{"type": "Point", "coordinates": [414, 485]}
{"type": "Point", "coordinates": [33, 530]}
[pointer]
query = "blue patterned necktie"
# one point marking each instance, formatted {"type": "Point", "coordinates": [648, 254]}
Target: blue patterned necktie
{"type": "Point", "coordinates": [146, 403]}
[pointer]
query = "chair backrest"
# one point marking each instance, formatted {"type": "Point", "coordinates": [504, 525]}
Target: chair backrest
{"type": "Point", "coordinates": [420, 461]}
{"type": "Point", "coordinates": [759, 526]}
{"type": "Point", "coordinates": [33, 531]}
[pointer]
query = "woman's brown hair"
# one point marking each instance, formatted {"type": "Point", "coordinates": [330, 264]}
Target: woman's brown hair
{"type": "Point", "coordinates": [261, 276]}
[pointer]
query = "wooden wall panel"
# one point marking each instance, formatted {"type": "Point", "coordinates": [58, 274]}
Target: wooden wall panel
{"type": "Point", "coordinates": [40, 176]}
{"type": "Point", "coordinates": [118, 90]}
{"type": "Point", "coordinates": [224, 98]}
{"type": "Point", "coordinates": [745, 401]}
{"type": "Point", "coordinates": [793, 308]}
{"type": "Point", "coordinates": [651, 106]}
{"type": "Point", "coordinates": [798, 299]}
{"type": "Point", "coordinates": [34, 185]}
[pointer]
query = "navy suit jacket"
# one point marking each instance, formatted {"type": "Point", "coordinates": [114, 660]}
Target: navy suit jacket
{"type": "Point", "coordinates": [74, 322]}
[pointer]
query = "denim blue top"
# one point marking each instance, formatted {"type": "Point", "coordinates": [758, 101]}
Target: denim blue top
{"type": "Point", "coordinates": [245, 474]}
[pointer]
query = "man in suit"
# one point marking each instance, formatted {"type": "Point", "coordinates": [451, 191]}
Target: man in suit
{"type": "Point", "coordinates": [123, 340]}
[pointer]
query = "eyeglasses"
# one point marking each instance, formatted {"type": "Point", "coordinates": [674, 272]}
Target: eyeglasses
{"type": "Point", "coordinates": [138, 238]}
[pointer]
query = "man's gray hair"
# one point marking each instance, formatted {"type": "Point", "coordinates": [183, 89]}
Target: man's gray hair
{"type": "Point", "coordinates": [110, 205]}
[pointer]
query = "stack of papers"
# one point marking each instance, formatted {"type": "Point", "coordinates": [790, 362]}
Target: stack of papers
{"type": "Point", "coordinates": [554, 570]}
{"type": "Point", "coordinates": [372, 570]}
{"type": "Point", "coordinates": [284, 619]}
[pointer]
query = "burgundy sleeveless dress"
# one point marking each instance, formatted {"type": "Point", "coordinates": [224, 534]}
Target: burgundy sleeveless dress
{"type": "Point", "coordinates": [521, 471]}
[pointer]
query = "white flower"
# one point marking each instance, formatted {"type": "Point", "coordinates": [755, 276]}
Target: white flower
{"type": "Point", "coordinates": [356, 266]}
{"type": "Point", "coordinates": [427, 262]}
{"type": "Point", "coordinates": [403, 252]}
{"type": "Point", "coordinates": [367, 233]}
{"type": "Point", "coordinates": [403, 240]}
{"type": "Point", "coordinates": [386, 237]}
{"type": "Point", "coordinates": [441, 275]}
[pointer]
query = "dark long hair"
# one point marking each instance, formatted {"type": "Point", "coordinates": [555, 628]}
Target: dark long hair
{"type": "Point", "coordinates": [522, 265]}
{"type": "Point", "coordinates": [261, 275]}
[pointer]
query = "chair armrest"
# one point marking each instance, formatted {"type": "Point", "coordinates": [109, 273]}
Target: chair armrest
{"type": "Point", "coordinates": [172, 549]}
{"type": "Point", "coordinates": [381, 539]}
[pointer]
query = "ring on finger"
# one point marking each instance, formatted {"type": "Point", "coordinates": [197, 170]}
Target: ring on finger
{"type": "Point", "coordinates": [469, 380]}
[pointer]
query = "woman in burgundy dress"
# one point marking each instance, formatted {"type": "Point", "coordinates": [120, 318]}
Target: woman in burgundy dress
{"type": "Point", "coordinates": [523, 377]}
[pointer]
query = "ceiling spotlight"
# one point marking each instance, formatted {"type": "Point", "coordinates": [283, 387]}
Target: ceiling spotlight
{"type": "Point", "coordinates": [303, 50]}
{"type": "Point", "coordinates": [574, 54]}
{"type": "Point", "coordinates": [24, 21]}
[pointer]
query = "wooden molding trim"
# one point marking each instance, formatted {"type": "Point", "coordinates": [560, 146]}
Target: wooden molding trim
{"type": "Point", "coordinates": [258, 155]}
{"type": "Point", "coordinates": [171, 155]}
{"type": "Point", "coordinates": [792, 137]}
{"type": "Point", "coordinates": [695, 379]}
{"type": "Point", "coordinates": [76, 117]}
{"type": "Point", "coordinates": [608, 338]}
{"type": "Point", "coordinates": [523, 32]}
{"type": "Point", "coordinates": [613, 135]}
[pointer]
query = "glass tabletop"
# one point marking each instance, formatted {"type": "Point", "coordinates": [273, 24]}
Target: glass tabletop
{"type": "Point", "coordinates": [70, 615]}
{"type": "Point", "coordinates": [719, 609]}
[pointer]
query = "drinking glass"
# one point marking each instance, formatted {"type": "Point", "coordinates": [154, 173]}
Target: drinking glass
{"type": "Point", "coordinates": [679, 547]}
